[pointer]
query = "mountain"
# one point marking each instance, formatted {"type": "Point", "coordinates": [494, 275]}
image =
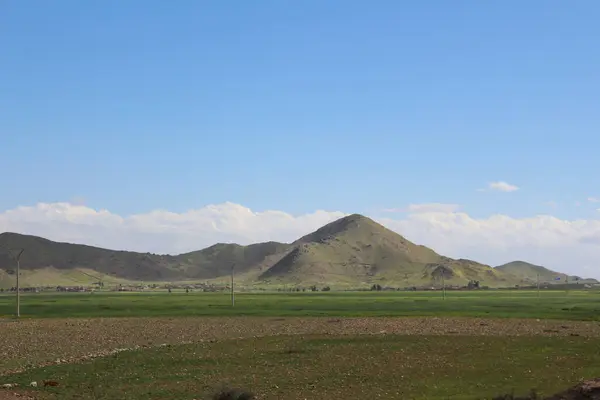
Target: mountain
{"type": "Point", "coordinates": [44, 253]}
{"type": "Point", "coordinates": [528, 273]}
{"type": "Point", "coordinates": [352, 251]}
{"type": "Point", "coordinates": [217, 260]}
{"type": "Point", "coordinates": [212, 262]}
{"type": "Point", "coordinates": [356, 249]}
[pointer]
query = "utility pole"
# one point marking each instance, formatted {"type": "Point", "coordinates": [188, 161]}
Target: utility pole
{"type": "Point", "coordinates": [443, 285]}
{"type": "Point", "coordinates": [17, 258]}
{"type": "Point", "coordinates": [538, 286]}
{"type": "Point", "coordinates": [406, 278]}
{"type": "Point", "coordinates": [232, 291]}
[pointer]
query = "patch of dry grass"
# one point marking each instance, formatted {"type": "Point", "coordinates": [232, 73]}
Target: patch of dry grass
{"type": "Point", "coordinates": [31, 343]}
{"type": "Point", "coordinates": [432, 367]}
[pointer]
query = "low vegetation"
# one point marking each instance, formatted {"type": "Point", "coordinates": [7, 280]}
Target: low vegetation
{"type": "Point", "coordinates": [313, 345]}
{"type": "Point", "coordinates": [38, 342]}
{"type": "Point", "coordinates": [330, 367]}
{"type": "Point", "coordinates": [573, 305]}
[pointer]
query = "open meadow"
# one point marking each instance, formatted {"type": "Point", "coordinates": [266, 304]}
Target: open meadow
{"type": "Point", "coordinates": [555, 304]}
{"type": "Point", "coordinates": [323, 345]}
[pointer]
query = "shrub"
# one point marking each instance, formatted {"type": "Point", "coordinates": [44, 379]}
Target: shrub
{"type": "Point", "coordinates": [532, 396]}
{"type": "Point", "coordinates": [233, 394]}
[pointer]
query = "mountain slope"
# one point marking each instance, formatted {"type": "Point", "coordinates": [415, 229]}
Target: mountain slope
{"type": "Point", "coordinates": [356, 249]}
{"type": "Point", "coordinates": [352, 251]}
{"type": "Point", "coordinates": [217, 260]}
{"type": "Point", "coordinates": [528, 273]}
{"type": "Point", "coordinates": [42, 253]}
{"type": "Point", "coordinates": [208, 263]}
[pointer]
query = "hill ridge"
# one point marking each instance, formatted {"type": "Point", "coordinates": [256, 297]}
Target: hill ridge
{"type": "Point", "coordinates": [352, 250]}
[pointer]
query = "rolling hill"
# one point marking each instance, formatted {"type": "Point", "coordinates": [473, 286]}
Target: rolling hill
{"type": "Point", "coordinates": [59, 262]}
{"type": "Point", "coordinates": [217, 260]}
{"type": "Point", "coordinates": [529, 273]}
{"type": "Point", "coordinates": [42, 253]}
{"type": "Point", "coordinates": [356, 249]}
{"type": "Point", "coordinates": [352, 251]}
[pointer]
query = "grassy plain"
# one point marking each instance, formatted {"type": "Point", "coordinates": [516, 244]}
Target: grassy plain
{"type": "Point", "coordinates": [324, 345]}
{"type": "Point", "coordinates": [325, 367]}
{"type": "Point", "coordinates": [556, 304]}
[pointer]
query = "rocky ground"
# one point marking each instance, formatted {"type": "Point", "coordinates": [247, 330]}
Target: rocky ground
{"type": "Point", "coordinates": [38, 342]}
{"type": "Point", "coordinates": [31, 343]}
{"type": "Point", "coordinates": [586, 390]}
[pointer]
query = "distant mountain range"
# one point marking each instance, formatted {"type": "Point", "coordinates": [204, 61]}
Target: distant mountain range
{"type": "Point", "coordinates": [353, 251]}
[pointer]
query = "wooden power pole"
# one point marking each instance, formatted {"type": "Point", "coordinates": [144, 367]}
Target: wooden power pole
{"type": "Point", "coordinates": [443, 285]}
{"type": "Point", "coordinates": [17, 257]}
{"type": "Point", "coordinates": [232, 290]}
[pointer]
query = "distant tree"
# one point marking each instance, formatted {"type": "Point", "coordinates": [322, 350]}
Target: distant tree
{"type": "Point", "coordinates": [326, 289]}
{"type": "Point", "coordinates": [313, 288]}
{"type": "Point", "coordinates": [473, 285]}
{"type": "Point", "coordinates": [376, 287]}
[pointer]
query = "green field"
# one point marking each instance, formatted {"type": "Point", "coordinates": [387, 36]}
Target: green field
{"type": "Point", "coordinates": [389, 367]}
{"type": "Point", "coordinates": [575, 305]}
{"type": "Point", "coordinates": [323, 345]}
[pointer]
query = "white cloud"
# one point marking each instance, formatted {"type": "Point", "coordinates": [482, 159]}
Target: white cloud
{"type": "Point", "coordinates": [502, 186]}
{"type": "Point", "coordinates": [424, 207]}
{"type": "Point", "coordinates": [568, 245]}
{"type": "Point", "coordinates": [593, 200]}
{"type": "Point", "coordinates": [432, 208]}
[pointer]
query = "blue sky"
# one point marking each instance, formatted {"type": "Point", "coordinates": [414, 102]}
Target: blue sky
{"type": "Point", "coordinates": [300, 105]}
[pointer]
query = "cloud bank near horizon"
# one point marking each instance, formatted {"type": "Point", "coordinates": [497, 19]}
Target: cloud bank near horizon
{"type": "Point", "coordinates": [563, 245]}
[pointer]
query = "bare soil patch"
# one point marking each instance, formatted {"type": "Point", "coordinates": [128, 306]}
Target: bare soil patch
{"type": "Point", "coordinates": [9, 395]}
{"type": "Point", "coordinates": [32, 343]}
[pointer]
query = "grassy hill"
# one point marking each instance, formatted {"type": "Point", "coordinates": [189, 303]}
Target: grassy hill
{"type": "Point", "coordinates": [57, 261]}
{"type": "Point", "coordinates": [43, 253]}
{"type": "Point", "coordinates": [217, 260]}
{"type": "Point", "coordinates": [528, 273]}
{"type": "Point", "coordinates": [356, 249]}
{"type": "Point", "coordinates": [59, 277]}
{"type": "Point", "coordinates": [352, 251]}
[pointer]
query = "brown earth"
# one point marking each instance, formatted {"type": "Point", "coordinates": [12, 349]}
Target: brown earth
{"type": "Point", "coordinates": [586, 390]}
{"type": "Point", "coordinates": [589, 390]}
{"type": "Point", "coordinates": [8, 395]}
{"type": "Point", "coordinates": [31, 343]}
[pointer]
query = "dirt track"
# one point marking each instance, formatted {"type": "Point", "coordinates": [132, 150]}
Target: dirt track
{"type": "Point", "coordinates": [30, 343]}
